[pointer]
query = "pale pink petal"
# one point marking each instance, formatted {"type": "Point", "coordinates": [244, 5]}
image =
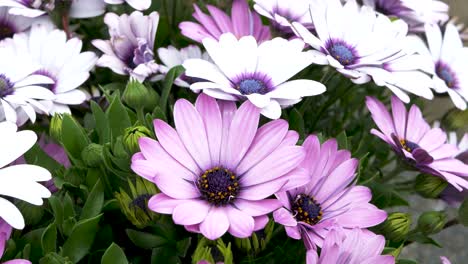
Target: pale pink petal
{"type": "Point", "coordinates": [240, 224]}
{"type": "Point", "coordinates": [190, 213]}
{"type": "Point", "coordinates": [341, 177]}
{"type": "Point", "coordinates": [257, 208]}
{"type": "Point", "coordinates": [380, 115]}
{"type": "Point", "coordinates": [260, 222]}
{"type": "Point", "coordinates": [284, 217]}
{"type": "Point", "coordinates": [215, 224]}
{"type": "Point", "coordinates": [211, 115]}
{"type": "Point", "coordinates": [399, 117]}
{"type": "Point", "coordinates": [164, 204]}
{"type": "Point", "coordinates": [293, 232]}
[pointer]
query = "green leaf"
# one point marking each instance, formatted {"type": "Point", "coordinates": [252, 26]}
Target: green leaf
{"type": "Point", "coordinates": [385, 196]}
{"type": "Point", "coordinates": [145, 240]}
{"type": "Point", "coordinates": [342, 140]}
{"type": "Point", "coordinates": [74, 138]}
{"type": "Point", "coordinates": [94, 202]}
{"type": "Point", "coordinates": [463, 213]}
{"type": "Point", "coordinates": [117, 116]}
{"type": "Point", "coordinates": [182, 246]}
{"type": "Point", "coordinates": [57, 209]}
{"type": "Point", "coordinates": [78, 244]}
{"type": "Point", "coordinates": [423, 239]}
{"type": "Point", "coordinates": [114, 255]}
{"type": "Point", "coordinates": [102, 127]}
{"type": "Point", "coordinates": [406, 261]}
{"type": "Point", "coordinates": [168, 82]}
{"type": "Point", "coordinates": [68, 210]}
{"type": "Point", "coordinates": [49, 239]}
{"type": "Point", "coordinates": [296, 122]}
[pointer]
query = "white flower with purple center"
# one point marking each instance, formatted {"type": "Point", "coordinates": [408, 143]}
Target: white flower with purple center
{"type": "Point", "coordinates": [364, 46]}
{"type": "Point", "coordinates": [242, 69]}
{"type": "Point", "coordinates": [416, 13]}
{"type": "Point", "coordinates": [62, 61]}
{"type": "Point", "coordinates": [450, 63]}
{"type": "Point", "coordinates": [11, 24]}
{"type": "Point", "coordinates": [130, 49]}
{"type": "Point", "coordinates": [19, 86]}
{"type": "Point", "coordinates": [172, 57]}
{"type": "Point", "coordinates": [28, 8]}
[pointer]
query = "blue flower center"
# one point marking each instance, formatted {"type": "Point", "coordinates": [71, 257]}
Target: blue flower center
{"type": "Point", "coordinates": [446, 74]}
{"type": "Point", "coordinates": [6, 87]}
{"type": "Point", "coordinates": [408, 145]}
{"type": "Point", "coordinates": [251, 86]}
{"type": "Point", "coordinates": [342, 53]}
{"type": "Point", "coordinates": [306, 209]}
{"type": "Point", "coordinates": [218, 186]}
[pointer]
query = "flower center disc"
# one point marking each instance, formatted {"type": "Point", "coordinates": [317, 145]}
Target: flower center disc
{"type": "Point", "coordinates": [307, 209]}
{"type": "Point", "coordinates": [408, 145]}
{"type": "Point", "coordinates": [342, 53]}
{"type": "Point", "coordinates": [6, 87]}
{"type": "Point", "coordinates": [6, 30]}
{"type": "Point", "coordinates": [218, 186]}
{"type": "Point", "coordinates": [251, 86]}
{"type": "Point", "coordinates": [446, 74]}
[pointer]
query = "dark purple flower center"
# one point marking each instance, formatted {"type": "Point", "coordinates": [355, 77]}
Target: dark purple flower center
{"type": "Point", "coordinates": [408, 145]}
{"type": "Point", "coordinates": [6, 30]}
{"type": "Point", "coordinates": [446, 74]}
{"type": "Point", "coordinates": [251, 86]}
{"type": "Point", "coordinates": [342, 52]}
{"type": "Point", "coordinates": [140, 201]}
{"type": "Point", "coordinates": [6, 86]}
{"type": "Point", "coordinates": [306, 209]}
{"type": "Point", "coordinates": [218, 186]}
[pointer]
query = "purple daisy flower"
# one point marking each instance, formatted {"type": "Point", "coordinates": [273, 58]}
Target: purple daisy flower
{"type": "Point", "coordinates": [329, 198]}
{"type": "Point", "coordinates": [130, 49]}
{"type": "Point", "coordinates": [217, 168]}
{"type": "Point", "coordinates": [241, 23]}
{"type": "Point", "coordinates": [422, 147]}
{"type": "Point", "coordinates": [354, 247]}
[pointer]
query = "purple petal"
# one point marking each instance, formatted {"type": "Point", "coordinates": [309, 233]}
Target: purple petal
{"type": "Point", "coordinates": [354, 196]}
{"type": "Point", "coordinates": [421, 156]}
{"type": "Point", "coordinates": [260, 222]}
{"type": "Point", "coordinates": [433, 139]}
{"type": "Point", "coordinates": [192, 132]}
{"type": "Point", "coordinates": [240, 224]}
{"type": "Point", "coordinates": [445, 151]}
{"type": "Point", "coordinates": [194, 31]}
{"type": "Point", "coordinates": [215, 224]}
{"type": "Point", "coordinates": [293, 232]}
{"type": "Point", "coordinates": [176, 187]}
{"type": "Point", "coordinates": [312, 257]}
{"type": "Point", "coordinates": [241, 18]}
{"type": "Point", "coordinates": [211, 115]}
{"type": "Point", "coordinates": [284, 217]}
{"type": "Point", "coordinates": [399, 117]}
{"type": "Point", "coordinates": [380, 260]}
{"type": "Point", "coordinates": [164, 204]}
{"type": "Point", "coordinates": [380, 115]}
{"type": "Point", "coordinates": [312, 147]}
{"type": "Point", "coordinates": [257, 208]}
{"type": "Point", "coordinates": [228, 110]}
{"type": "Point", "coordinates": [362, 217]}
{"type": "Point", "coordinates": [207, 22]}
{"type": "Point", "coordinates": [18, 261]}
{"type": "Point", "coordinates": [263, 190]}
{"type": "Point", "coordinates": [418, 126]}
{"type": "Point", "coordinates": [290, 139]}
{"type": "Point", "coordinates": [191, 213]}
{"type": "Point", "coordinates": [144, 169]}
{"type": "Point", "coordinates": [222, 20]}
{"type": "Point", "coordinates": [337, 180]}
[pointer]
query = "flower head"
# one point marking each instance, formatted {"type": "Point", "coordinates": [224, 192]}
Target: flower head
{"type": "Point", "coordinates": [11, 24]}
{"type": "Point", "coordinates": [420, 146]}
{"type": "Point", "coordinates": [130, 49]}
{"type": "Point", "coordinates": [449, 63]}
{"type": "Point", "coordinates": [241, 23]}
{"type": "Point", "coordinates": [416, 13]}
{"type": "Point", "coordinates": [137, 4]}
{"type": "Point", "coordinates": [376, 49]}
{"type": "Point", "coordinates": [19, 181]}
{"type": "Point", "coordinates": [217, 169]}
{"type": "Point", "coordinates": [69, 68]}
{"type": "Point", "coordinates": [242, 69]}
{"type": "Point", "coordinates": [329, 198]}
{"type": "Point", "coordinates": [353, 247]}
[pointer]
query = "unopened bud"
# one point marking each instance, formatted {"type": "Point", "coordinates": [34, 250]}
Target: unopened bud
{"type": "Point", "coordinates": [397, 226]}
{"type": "Point", "coordinates": [132, 135]}
{"type": "Point", "coordinates": [55, 128]}
{"type": "Point", "coordinates": [137, 96]}
{"type": "Point", "coordinates": [92, 155]}
{"type": "Point", "coordinates": [429, 186]}
{"type": "Point", "coordinates": [432, 222]}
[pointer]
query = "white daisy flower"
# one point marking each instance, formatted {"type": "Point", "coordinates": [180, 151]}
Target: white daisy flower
{"type": "Point", "coordinates": [11, 24]}
{"type": "Point", "coordinates": [19, 86]}
{"type": "Point", "coordinates": [416, 13]}
{"type": "Point", "coordinates": [364, 45]}
{"type": "Point", "coordinates": [242, 69]}
{"type": "Point", "coordinates": [449, 63]}
{"type": "Point", "coordinates": [19, 181]}
{"type": "Point", "coordinates": [28, 8]}
{"type": "Point", "coordinates": [172, 57]}
{"type": "Point", "coordinates": [61, 60]}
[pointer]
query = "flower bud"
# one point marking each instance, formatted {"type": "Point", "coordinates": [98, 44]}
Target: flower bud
{"type": "Point", "coordinates": [429, 186]}
{"type": "Point", "coordinates": [137, 95]}
{"type": "Point", "coordinates": [55, 129]}
{"type": "Point", "coordinates": [131, 136]}
{"type": "Point", "coordinates": [92, 155]}
{"type": "Point", "coordinates": [211, 252]}
{"type": "Point", "coordinates": [432, 222]}
{"type": "Point", "coordinates": [397, 226]}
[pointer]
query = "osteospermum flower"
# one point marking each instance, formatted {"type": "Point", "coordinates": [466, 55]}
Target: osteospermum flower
{"type": "Point", "coordinates": [11, 24]}
{"type": "Point", "coordinates": [172, 57]}
{"type": "Point", "coordinates": [284, 12]}
{"type": "Point", "coordinates": [217, 169]}
{"type": "Point", "coordinates": [244, 70]}
{"type": "Point", "coordinates": [5, 233]}
{"type": "Point", "coordinates": [241, 23]}
{"type": "Point", "coordinates": [19, 181]}
{"type": "Point", "coordinates": [445, 260]}
{"type": "Point", "coordinates": [19, 90]}
{"type": "Point", "coordinates": [63, 62]}
{"type": "Point", "coordinates": [416, 13]}
{"type": "Point", "coordinates": [449, 63]}
{"type": "Point", "coordinates": [28, 8]}
{"type": "Point", "coordinates": [422, 147]}
{"type": "Point", "coordinates": [377, 48]}
{"type": "Point", "coordinates": [130, 49]}
{"type": "Point", "coordinates": [328, 199]}
{"type": "Point", "coordinates": [354, 247]}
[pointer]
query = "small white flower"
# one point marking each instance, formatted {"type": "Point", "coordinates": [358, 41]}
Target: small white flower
{"type": "Point", "coordinates": [130, 49]}
{"type": "Point", "coordinates": [19, 181]}
{"type": "Point", "coordinates": [59, 59]}
{"type": "Point", "coordinates": [242, 69]}
{"type": "Point", "coordinates": [172, 57]}
{"type": "Point", "coordinates": [11, 24]}
{"type": "Point", "coordinates": [364, 46]}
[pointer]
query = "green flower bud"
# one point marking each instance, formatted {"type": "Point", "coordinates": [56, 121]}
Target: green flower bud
{"type": "Point", "coordinates": [137, 95]}
{"type": "Point", "coordinates": [134, 205]}
{"type": "Point", "coordinates": [131, 136]}
{"type": "Point", "coordinates": [258, 241]}
{"type": "Point", "coordinates": [92, 155]}
{"type": "Point", "coordinates": [456, 120]}
{"type": "Point", "coordinates": [397, 226]}
{"type": "Point", "coordinates": [429, 186]}
{"type": "Point", "coordinates": [209, 251]}
{"type": "Point", "coordinates": [55, 129]}
{"type": "Point", "coordinates": [432, 222]}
